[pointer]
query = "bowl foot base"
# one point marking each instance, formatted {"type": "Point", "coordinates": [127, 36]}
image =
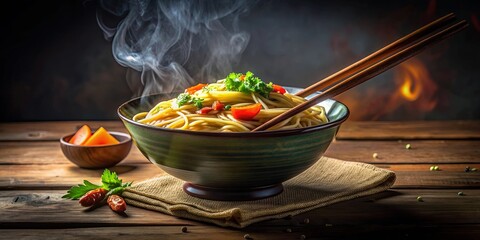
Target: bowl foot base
{"type": "Point", "coordinates": [226, 194]}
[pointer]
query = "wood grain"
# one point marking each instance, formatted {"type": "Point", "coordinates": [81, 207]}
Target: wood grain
{"type": "Point", "coordinates": [50, 131]}
{"type": "Point", "coordinates": [63, 176]}
{"type": "Point", "coordinates": [34, 175]}
{"type": "Point", "coordinates": [44, 131]}
{"type": "Point", "coordinates": [47, 209]}
{"type": "Point", "coordinates": [147, 232]}
{"type": "Point", "coordinates": [422, 151]}
{"type": "Point", "coordinates": [363, 231]}
{"type": "Point", "coordinates": [395, 130]}
{"type": "Point", "coordinates": [47, 152]}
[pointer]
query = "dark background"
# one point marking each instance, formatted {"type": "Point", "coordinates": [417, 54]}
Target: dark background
{"type": "Point", "coordinates": [57, 65]}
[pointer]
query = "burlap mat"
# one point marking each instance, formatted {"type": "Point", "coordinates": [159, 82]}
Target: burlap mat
{"type": "Point", "coordinates": [328, 181]}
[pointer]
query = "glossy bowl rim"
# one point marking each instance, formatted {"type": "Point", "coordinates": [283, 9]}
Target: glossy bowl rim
{"type": "Point", "coordinates": [127, 140]}
{"type": "Point", "coordinates": [263, 133]}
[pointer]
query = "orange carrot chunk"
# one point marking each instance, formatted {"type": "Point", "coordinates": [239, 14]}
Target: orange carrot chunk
{"type": "Point", "coordinates": [101, 137]}
{"type": "Point", "coordinates": [81, 136]}
{"type": "Point", "coordinates": [192, 90]}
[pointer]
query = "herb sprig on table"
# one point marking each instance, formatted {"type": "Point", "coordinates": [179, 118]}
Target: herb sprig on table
{"type": "Point", "coordinates": [110, 182]}
{"type": "Point", "coordinates": [91, 195]}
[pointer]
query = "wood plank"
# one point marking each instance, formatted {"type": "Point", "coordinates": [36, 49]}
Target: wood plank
{"type": "Point", "coordinates": [50, 131]}
{"type": "Point", "coordinates": [395, 130]}
{"type": "Point", "coordinates": [422, 151]}
{"type": "Point", "coordinates": [363, 231]}
{"type": "Point", "coordinates": [155, 233]}
{"type": "Point", "coordinates": [63, 176]}
{"type": "Point", "coordinates": [47, 152]}
{"type": "Point", "coordinates": [395, 213]}
{"type": "Point", "coordinates": [46, 209]}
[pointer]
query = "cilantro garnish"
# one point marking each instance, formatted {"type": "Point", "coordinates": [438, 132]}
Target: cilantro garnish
{"type": "Point", "coordinates": [197, 102]}
{"type": "Point", "coordinates": [185, 98]}
{"type": "Point", "coordinates": [110, 182]}
{"type": "Point", "coordinates": [247, 83]}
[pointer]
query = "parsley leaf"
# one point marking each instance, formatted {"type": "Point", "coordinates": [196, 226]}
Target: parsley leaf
{"type": "Point", "coordinates": [233, 82]}
{"type": "Point", "coordinates": [247, 83]}
{"type": "Point", "coordinates": [110, 180]}
{"type": "Point", "coordinates": [197, 102]}
{"type": "Point", "coordinates": [185, 98]}
{"type": "Point", "coordinates": [76, 192]}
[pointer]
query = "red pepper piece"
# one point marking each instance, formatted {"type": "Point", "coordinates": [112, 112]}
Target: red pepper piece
{"type": "Point", "coordinates": [204, 110]}
{"type": "Point", "coordinates": [93, 197]}
{"type": "Point", "coordinates": [279, 89]}
{"type": "Point", "coordinates": [246, 112]}
{"type": "Point", "coordinates": [117, 203]}
{"type": "Point", "coordinates": [192, 90]}
{"type": "Point", "coordinates": [218, 106]}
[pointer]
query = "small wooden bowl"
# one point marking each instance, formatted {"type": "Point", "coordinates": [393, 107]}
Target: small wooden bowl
{"type": "Point", "coordinates": [101, 156]}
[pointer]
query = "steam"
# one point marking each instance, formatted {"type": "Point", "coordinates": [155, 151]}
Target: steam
{"type": "Point", "coordinates": [164, 41]}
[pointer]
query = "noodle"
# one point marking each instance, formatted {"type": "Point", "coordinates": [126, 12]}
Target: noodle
{"type": "Point", "coordinates": [195, 109]}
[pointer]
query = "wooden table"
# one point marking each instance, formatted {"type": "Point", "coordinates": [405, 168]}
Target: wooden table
{"type": "Point", "coordinates": [34, 175]}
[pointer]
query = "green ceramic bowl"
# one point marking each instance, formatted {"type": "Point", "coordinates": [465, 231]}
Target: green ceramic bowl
{"type": "Point", "coordinates": [231, 166]}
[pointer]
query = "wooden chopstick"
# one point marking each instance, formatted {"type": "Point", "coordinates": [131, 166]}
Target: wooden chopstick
{"type": "Point", "coordinates": [377, 56]}
{"type": "Point", "coordinates": [368, 73]}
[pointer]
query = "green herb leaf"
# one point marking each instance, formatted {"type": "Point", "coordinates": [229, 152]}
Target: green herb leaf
{"type": "Point", "coordinates": [76, 192]}
{"type": "Point", "coordinates": [116, 191]}
{"type": "Point", "coordinates": [249, 84]}
{"type": "Point", "coordinates": [197, 102]}
{"type": "Point", "coordinates": [227, 107]}
{"type": "Point", "coordinates": [185, 98]}
{"type": "Point", "coordinates": [232, 82]}
{"type": "Point", "coordinates": [110, 180]}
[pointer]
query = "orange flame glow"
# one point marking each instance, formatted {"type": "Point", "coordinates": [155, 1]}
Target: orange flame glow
{"type": "Point", "coordinates": [413, 94]}
{"type": "Point", "coordinates": [412, 75]}
{"type": "Point", "coordinates": [407, 91]}
{"type": "Point", "coordinates": [416, 85]}
{"type": "Point", "coordinates": [416, 91]}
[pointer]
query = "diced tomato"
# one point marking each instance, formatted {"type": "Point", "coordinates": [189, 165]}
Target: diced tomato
{"type": "Point", "coordinates": [246, 112]}
{"type": "Point", "coordinates": [218, 106]}
{"type": "Point", "coordinates": [241, 78]}
{"type": "Point", "coordinates": [81, 136]}
{"type": "Point", "coordinates": [279, 89]}
{"type": "Point", "coordinates": [204, 110]}
{"type": "Point", "coordinates": [192, 90]}
{"type": "Point", "coordinates": [101, 137]}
